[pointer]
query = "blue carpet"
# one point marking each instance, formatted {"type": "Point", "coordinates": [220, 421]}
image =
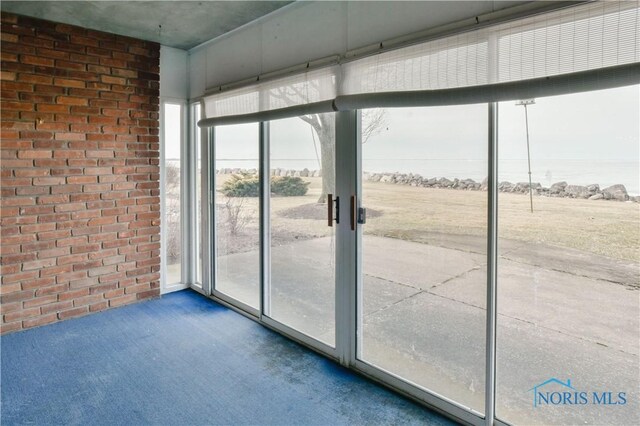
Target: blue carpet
{"type": "Point", "coordinates": [183, 360]}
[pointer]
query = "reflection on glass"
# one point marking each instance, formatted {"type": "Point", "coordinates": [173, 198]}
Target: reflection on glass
{"type": "Point", "coordinates": [569, 272]}
{"type": "Point", "coordinates": [422, 300]}
{"type": "Point", "coordinates": [172, 138]}
{"type": "Point", "coordinates": [302, 292]}
{"type": "Point", "coordinates": [237, 213]}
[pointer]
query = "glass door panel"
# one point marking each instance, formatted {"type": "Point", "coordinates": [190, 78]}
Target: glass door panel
{"type": "Point", "coordinates": [172, 220]}
{"type": "Point", "coordinates": [302, 285]}
{"type": "Point", "coordinates": [423, 279]}
{"type": "Point", "coordinates": [569, 260]}
{"type": "Point", "coordinates": [237, 213]}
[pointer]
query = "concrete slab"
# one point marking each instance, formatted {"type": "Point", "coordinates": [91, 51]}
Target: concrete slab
{"type": "Point", "coordinates": [238, 276]}
{"type": "Point", "coordinates": [575, 262]}
{"type": "Point", "coordinates": [528, 355]}
{"type": "Point", "coordinates": [559, 301]}
{"type": "Point", "coordinates": [435, 342]}
{"type": "Point", "coordinates": [415, 264]}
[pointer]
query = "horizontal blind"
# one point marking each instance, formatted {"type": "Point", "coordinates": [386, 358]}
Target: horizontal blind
{"type": "Point", "coordinates": [300, 89]}
{"type": "Point", "coordinates": [572, 41]}
{"type": "Point", "coordinates": [596, 35]}
{"type": "Point", "coordinates": [457, 61]}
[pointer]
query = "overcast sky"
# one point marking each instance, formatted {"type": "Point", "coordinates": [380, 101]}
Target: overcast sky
{"type": "Point", "coordinates": [602, 125]}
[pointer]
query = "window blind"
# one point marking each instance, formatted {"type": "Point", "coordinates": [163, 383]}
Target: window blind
{"type": "Point", "coordinates": [296, 90]}
{"type": "Point", "coordinates": [585, 47]}
{"type": "Point", "coordinates": [596, 35]}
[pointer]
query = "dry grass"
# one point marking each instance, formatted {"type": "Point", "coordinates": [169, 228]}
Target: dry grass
{"type": "Point", "coordinates": [607, 228]}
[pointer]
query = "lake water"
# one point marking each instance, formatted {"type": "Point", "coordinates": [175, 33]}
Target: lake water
{"type": "Point", "coordinates": [546, 172]}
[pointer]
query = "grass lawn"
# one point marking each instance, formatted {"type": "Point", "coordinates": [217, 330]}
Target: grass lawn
{"type": "Point", "coordinates": [607, 228]}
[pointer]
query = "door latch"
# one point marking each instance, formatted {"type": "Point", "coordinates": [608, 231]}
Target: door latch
{"type": "Point", "coordinates": [362, 215]}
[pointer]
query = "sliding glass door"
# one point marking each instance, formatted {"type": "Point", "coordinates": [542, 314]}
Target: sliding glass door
{"type": "Point", "coordinates": [301, 289]}
{"type": "Point", "coordinates": [237, 215]}
{"type": "Point", "coordinates": [569, 259]}
{"type": "Point", "coordinates": [422, 290]}
{"type": "Point", "coordinates": [384, 237]}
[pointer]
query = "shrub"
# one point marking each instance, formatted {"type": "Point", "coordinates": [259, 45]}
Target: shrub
{"type": "Point", "coordinates": [242, 185]}
{"type": "Point", "coordinates": [288, 186]}
{"type": "Point", "coordinates": [248, 185]}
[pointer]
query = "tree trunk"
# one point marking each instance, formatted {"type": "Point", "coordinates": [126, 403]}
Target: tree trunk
{"type": "Point", "coordinates": [326, 136]}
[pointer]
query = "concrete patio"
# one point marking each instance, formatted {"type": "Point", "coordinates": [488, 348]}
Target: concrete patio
{"type": "Point", "coordinates": [562, 313]}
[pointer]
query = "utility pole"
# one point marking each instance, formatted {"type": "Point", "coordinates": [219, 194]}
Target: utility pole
{"type": "Point", "coordinates": [524, 103]}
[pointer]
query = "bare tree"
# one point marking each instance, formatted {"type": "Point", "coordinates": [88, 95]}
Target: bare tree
{"type": "Point", "coordinates": [324, 125]}
{"type": "Point", "coordinates": [236, 217]}
{"type": "Point", "coordinates": [373, 120]}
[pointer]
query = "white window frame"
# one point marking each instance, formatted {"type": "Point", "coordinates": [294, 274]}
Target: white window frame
{"type": "Point", "coordinates": [166, 287]}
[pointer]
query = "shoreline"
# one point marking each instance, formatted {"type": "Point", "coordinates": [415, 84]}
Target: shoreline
{"type": "Point", "coordinates": [617, 192]}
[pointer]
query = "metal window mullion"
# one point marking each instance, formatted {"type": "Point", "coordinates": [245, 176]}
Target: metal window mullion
{"type": "Point", "coordinates": [163, 232]}
{"type": "Point", "coordinates": [193, 199]}
{"type": "Point", "coordinates": [205, 233]}
{"type": "Point", "coordinates": [211, 200]}
{"type": "Point", "coordinates": [492, 266]}
{"type": "Point", "coordinates": [184, 195]}
{"type": "Point", "coordinates": [357, 299]}
{"type": "Point", "coordinates": [345, 274]}
{"type": "Point", "coordinates": [191, 208]}
{"type": "Point", "coordinates": [265, 219]}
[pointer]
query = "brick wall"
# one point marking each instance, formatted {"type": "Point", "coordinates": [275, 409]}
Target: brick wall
{"type": "Point", "coordinates": [80, 171]}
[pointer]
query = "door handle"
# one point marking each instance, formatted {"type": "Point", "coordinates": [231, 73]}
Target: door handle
{"type": "Point", "coordinates": [330, 201]}
{"type": "Point", "coordinates": [353, 212]}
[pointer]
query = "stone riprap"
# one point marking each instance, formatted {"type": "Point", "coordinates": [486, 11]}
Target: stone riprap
{"type": "Point", "coordinates": [559, 189]}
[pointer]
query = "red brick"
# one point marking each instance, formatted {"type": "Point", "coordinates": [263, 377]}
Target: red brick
{"type": "Point", "coordinates": [9, 327]}
{"type": "Point", "coordinates": [122, 300]}
{"type": "Point", "coordinates": [17, 106]}
{"type": "Point", "coordinates": [22, 314]}
{"type": "Point", "coordinates": [79, 188]}
{"type": "Point", "coordinates": [69, 100]}
{"type": "Point", "coordinates": [99, 306]}
{"type": "Point", "coordinates": [38, 283]}
{"type": "Point", "coordinates": [51, 289]}
{"type": "Point", "coordinates": [52, 108]}
{"type": "Point", "coordinates": [41, 320]}
{"type": "Point", "coordinates": [51, 53]}
{"type": "Point", "coordinates": [70, 295]}
{"type": "Point", "coordinates": [66, 65]}
{"type": "Point", "coordinates": [36, 60]}
{"type": "Point", "coordinates": [71, 313]}
{"type": "Point", "coordinates": [39, 301]}
{"type": "Point", "coordinates": [65, 82]}
{"type": "Point", "coordinates": [17, 296]}
{"type": "Point", "coordinates": [34, 78]}
{"type": "Point", "coordinates": [10, 288]}
{"type": "Point", "coordinates": [7, 76]}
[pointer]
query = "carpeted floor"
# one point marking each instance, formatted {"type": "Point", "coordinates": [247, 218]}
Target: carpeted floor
{"type": "Point", "coordinates": [183, 360]}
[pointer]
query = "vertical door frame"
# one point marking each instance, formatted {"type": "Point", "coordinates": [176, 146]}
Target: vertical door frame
{"type": "Point", "coordinates": [265, 220]}
{"type": "Point", "coordinates": [206, 231]}
{"type": "Point", "coordinates": [347, 156]}
{"type": "Point", "coordinates": [492, 267]}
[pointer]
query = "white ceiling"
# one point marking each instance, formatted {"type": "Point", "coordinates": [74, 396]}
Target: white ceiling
{"type": "Point", "coordinates": [180, 24]}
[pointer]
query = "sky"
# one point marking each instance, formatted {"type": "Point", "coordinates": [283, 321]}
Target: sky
{"type": "Point", "coordinates": [599, 125]}
{"type": "Point", "coordinates": [583, 138]}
